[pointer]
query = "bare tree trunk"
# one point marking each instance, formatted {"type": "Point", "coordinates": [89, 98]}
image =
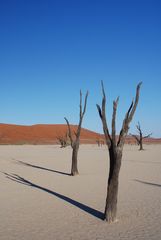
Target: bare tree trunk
{"type": "Point", "coordinates": [113, 182]}
{"type": "Point", "coordinates": [115, 151]}
{"type": "Point", "coordinates": [141, 144]}
{"type": "Point", "coordinates": [74, 168]}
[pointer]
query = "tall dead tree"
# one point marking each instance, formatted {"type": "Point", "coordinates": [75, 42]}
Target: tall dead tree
{"type": "Point", "coordinates": [139, 138]}
{"type": "Point", "coordinates": [76, 140]}
{"type": "Point", "coordinates": [115, 148]}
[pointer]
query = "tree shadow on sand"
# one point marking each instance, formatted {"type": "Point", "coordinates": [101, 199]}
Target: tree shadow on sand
{"type": "Point", "coordinates": [148, 183]}
{"type": "Point", "coordinates": [91, 211]}
{"type": "Point", "coordinates": [42, 168]}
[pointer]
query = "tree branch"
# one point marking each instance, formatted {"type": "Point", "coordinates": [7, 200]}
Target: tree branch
{"type": "Point", "coordinates": [147, 136]}
{"type": "Point", "coordinates": [115, 103]}
{"type": "Point", "coordinates": [103, 101]}
{"type": "Point", "coordinates": [136, 138]}
{"type": "Point", "coordinates": [69, 132]}
{"type": "Point", "coordinates": [136, 102]}
{"type": "Point", "coordinates": [139, 128]}
{"type": "Point", "coordinates": [80, 115]}
{"type": "Point", "coordinates": [99, 111]}
{"type": "Point", "coordinates": [128, 117]}
{"type": "Point", "coordinates": [85, 103]}
{"type": "Point", "coordinates": [125, 122]}
{"type": "Point", "coordinates": [102, 114]}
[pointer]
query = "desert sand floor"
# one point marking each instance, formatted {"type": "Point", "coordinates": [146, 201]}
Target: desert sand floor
{"type": "Point", "coordinates": [39, 200]}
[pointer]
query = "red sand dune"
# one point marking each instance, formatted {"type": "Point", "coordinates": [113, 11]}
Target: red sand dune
{"type": "Point", "coordinates": [41, 134]}
{"type": "Point", "coordinates": [48, 134]}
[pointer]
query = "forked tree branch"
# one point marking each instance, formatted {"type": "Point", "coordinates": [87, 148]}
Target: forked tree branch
{"type": "Point", "coordinates": [81, 115]}
{"type": "Point", "coordinates": [128, 117]}
{"type": "Point", "coordinates": [147, 136]}
{"type": "Point", "coordinates": [102, 114]}
{"type": "Point", "coordinates": [136, 138]}
{"type": "Point", "coordinates": [140, 131]}
{"type": "Point", "coordinates": [139, 128]}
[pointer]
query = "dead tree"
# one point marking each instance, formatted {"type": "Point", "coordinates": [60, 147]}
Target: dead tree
{"type": "Point", "coordinates": [115, 148]}
{"type": "Point", "coordinates": [139, 138]}
{"type": "Point", "coordinates": [98, 142]}
{"type": "Point", "coordinates": [75, 141]}
{"type": "Point", "coordinates": [63, 140]}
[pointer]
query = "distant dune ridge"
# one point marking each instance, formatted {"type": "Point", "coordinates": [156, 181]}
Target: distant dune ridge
{"type": "Point", "coordinates": [41, 134]}
{"type": "Point", "coordinates": [49, 133]}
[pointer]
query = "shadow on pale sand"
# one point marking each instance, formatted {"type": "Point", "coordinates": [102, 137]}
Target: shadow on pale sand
{"type": "Point", "coordinates": [42, 168]}
{"type": "Point", "coordinates": [148, 183]}
{"type": "Point", "coordinates": [92, 211]}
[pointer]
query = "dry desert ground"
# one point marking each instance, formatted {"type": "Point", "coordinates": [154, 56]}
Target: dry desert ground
{"type": "Point", "coordinates": [39, 200]}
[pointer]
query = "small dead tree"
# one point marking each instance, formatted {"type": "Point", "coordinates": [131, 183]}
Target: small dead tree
{"type": "Point", "coordinates": [115, 148]}
{"type": "Point", "coordinates": [75, 141]}
{"type": "Point", "coordinates": [98, 142]}
{"type": "Point", "coordinates": [63, 140]}
{"type": "Point", "coordinates": [139, 138]}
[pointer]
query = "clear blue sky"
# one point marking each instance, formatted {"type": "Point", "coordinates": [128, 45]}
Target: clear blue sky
{"type": "Point", "coordinates": [49, 50]}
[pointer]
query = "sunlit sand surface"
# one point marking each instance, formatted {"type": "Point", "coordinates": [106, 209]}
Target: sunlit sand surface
{"type": "Point", "coordinates": [40, 200]}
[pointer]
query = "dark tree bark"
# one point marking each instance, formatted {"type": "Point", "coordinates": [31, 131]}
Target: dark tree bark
{"type": "Point", "coordinates": [115, 150]}
{"type": "Point", "coordinates": [75, 142]}
{"type": "Point", "coordinates": [74, 168]}
{"type": "Point", "coordinates": [139, 138]}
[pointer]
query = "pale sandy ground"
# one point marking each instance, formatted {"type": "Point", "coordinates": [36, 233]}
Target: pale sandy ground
{"type": "Point", "coordinates": [55, 206]}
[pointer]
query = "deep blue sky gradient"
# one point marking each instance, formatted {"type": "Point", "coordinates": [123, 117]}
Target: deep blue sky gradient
{"type": "Point", "coordinates": [49, 50]}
